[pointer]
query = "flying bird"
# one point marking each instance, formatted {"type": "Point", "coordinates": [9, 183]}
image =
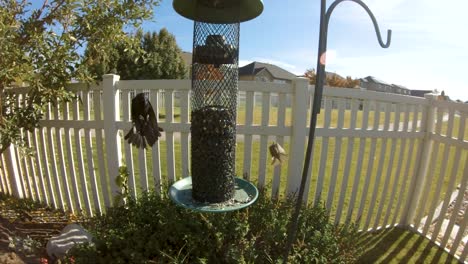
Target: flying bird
{"type": "Point", "coordinates": [145, 129]}
{"type": "Point", "coordinates": [277, 152]}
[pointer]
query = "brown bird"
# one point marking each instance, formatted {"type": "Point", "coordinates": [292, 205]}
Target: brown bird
{"type": "Point", "coordinates": [277, 152]}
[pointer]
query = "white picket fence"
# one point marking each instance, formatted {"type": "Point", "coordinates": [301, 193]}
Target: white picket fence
{"type": "Point", "coordinates": [380, 160]}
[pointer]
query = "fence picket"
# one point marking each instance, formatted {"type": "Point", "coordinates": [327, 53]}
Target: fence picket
{"type": "Point", "coordinates": [336, 157]}
{"type": "Point", "coordinates": [169, 106]}
{"type": "Point", "coordinates": [80, 163]}
{"type": "Point", "coordinates": [262, 161]}
{"type": "Point", "coordinates": [22, 176]}
{"type": "Point", "coordinates": [310, 99]}
{"type": "Point", "coordinates": [143, 168]}
{"type": "Point", "coordinates": [48, 173]}
{"type": "Point", "coordinates": [421, 165]}
{"type": "Point", "coordinates": [184, 136]}
{"type": "Point", "coordinates": [3, 176]}
{"type": "Point", "coordinates": [280, 121]}
{"type": "Point", "coordinates": [435, 197]}
{"type": "Point", "coordinates": [128, 147]}
{"type": "Point", "coordinates": [349, 157]}
{"type": "Point", "coordinates": [451, 184]}
{"type": "Point", "coordinates": [54, 169]}
{"type": "Point", "coordinates": [378, 175]}
{"type": "Point", "coordinates": [38, 163]}
{"type": "Point", "coordinates": [249, 110]}
{"type": "Point", "coordinates": [456, 208]}
{"type": "Point", "coordinates": [464, 254]}
{"type": "Point", "coordinates": [430, 176]}
{"type": "Point", "coordinates": [100, 146]}
{"type": "Point", "coordinates": [324, 152]}
{"type": "Point", "coordinates": [33, 170]}
{"type": "Point", "coordinates": [298, 134]}
{"type": "Point", "coordinates": [21, 173]}
{"type": "Point", "coordinates": [89, 154]}
{"type": "Point", "coordinates": [156, 154]}
{"type": "Point", "coordinates": [357, 172]}
{"type": "Point", "coordinates": [26, 173]}
{"type": "Point", "coordinates": [399, 167]}
{"type": "Point", "coordinates": [404, 191]}
{"type": "Point", "coordinates": [390, 167]}
{"type": "Point", "coordinates": [7, 177]}
{"type": "Point", "coordinates": [370, 165]}
{"type": "Point", "coordinates": [52, 160]}
{"type": "Point", "coordinates": [71, 161]}
{"type": "Point", "coordinates": [61, 163]}
{"type": "Point", "coordinates": [113, 138]}
{"type": "Point", "coordinates": [3, 188]}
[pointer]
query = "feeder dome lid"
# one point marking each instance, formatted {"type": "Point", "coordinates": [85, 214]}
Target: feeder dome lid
{"type": "Point", "coordinates": [219, 11]}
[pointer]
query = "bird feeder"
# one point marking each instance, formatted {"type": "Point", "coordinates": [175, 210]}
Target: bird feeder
{"type": "Point", "coordinates": [213, 185]}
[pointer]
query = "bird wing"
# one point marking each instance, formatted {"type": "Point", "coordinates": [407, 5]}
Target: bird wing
{"type": "Point", "coordinates": [153, 121]}
{"type": "Point", "coordinates": [152, 129]}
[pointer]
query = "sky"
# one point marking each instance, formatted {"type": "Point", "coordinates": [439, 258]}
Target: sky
{"type": "Point", "coordinates": [429, 47]}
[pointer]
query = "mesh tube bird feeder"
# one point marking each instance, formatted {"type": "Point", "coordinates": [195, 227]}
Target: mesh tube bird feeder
{"type": "Point", "coordinates": [214, 97]}
{"type": "Point", "coordinates": [213, 102]}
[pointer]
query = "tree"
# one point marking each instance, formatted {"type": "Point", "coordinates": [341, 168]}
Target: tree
{"type": "Point", "coordinates": [160, 58]}
{"type": "Point", "coordinates": [333, 80]}
{"type": "Point", "coordinates": [40, 47]}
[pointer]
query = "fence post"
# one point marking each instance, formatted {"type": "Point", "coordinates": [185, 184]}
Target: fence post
{"type": "Point", "coordinates": [298, 134]}
{"type": "Point", "coordinates": [13, 172]}
{"type": "Point", "coordinates": [111, 106]}
{"type": "Point", "coordinates": [422, 165]}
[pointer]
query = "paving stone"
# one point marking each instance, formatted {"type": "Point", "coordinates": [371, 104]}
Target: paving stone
{"type": "Point", "coordinates": [71, 235]}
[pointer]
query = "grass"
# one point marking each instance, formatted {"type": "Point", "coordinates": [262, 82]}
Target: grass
{"type": "Point", "coordinates": [400, 246]}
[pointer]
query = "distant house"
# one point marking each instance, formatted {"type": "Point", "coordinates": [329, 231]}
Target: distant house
{"type": "Point", "coordinates": [265, 72]}
{"type": "Point", "coordinates": [400, 89]}
{"type": "Point", "coordinates": [420, 93]}
{"type": "Point", "coordinates": [371, 83]}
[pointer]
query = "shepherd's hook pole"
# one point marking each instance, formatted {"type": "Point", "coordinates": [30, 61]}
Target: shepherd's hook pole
{"type": "Point", "coordinates": [319, 81]}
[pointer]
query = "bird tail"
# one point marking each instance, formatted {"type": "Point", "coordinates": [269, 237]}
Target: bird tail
{"type": "Point", "coordinates": [135, 138]}
{"type": "Point", "coordinates": [152, 134]}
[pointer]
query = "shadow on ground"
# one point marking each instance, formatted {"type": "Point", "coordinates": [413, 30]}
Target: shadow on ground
{"type": "Point", "coordinates": [400, 246]}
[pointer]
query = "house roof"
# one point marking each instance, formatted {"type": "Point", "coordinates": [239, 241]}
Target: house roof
{"type": "Point", "coordinates": [400, 86]}
{"type": "Point", "coordinates": [375, 80]}
{"type": "Point", "coordinates": [255, 67]}
{"type": "Point", "coordinates": [420, 92]}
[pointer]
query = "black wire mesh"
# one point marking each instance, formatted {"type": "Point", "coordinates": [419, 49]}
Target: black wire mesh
{"type": "Point", "coordinates": [214, 99]}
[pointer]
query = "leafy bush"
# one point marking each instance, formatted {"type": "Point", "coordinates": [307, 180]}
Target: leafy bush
{"type": "Point", "coordinates": [154, 230]}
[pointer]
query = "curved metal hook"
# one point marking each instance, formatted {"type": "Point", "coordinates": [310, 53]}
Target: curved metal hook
{"type": "Point", "coordinates": [374, 21]}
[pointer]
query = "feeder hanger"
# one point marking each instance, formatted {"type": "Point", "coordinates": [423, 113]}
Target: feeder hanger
{"type": "Point", "coordinates": [320, 78]}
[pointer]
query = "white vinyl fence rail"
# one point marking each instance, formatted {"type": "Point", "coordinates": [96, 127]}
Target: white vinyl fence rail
{"type": "Point", "coordinates": [380, 160]}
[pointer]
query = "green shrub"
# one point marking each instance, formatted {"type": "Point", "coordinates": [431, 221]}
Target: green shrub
{"type": "Point", "coordinates": [154, 230]}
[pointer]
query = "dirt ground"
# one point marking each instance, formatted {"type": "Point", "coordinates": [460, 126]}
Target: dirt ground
{"type": "Point", "coordinates": [25, 228]}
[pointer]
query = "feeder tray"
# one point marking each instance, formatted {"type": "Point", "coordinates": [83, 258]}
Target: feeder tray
{"type": "Point", "coordinates": [245, 194]}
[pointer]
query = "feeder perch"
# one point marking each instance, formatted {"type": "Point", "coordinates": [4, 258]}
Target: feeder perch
{"type": "Point", "coordinates": [213, 186]}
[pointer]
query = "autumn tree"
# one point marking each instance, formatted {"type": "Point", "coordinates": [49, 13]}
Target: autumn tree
{"type": "Point", "coordinates": [161, 58]}
{"type": "Point", "coordinates": [333, 80]}
{"type": "Point", "coordinates": [41, 45]}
